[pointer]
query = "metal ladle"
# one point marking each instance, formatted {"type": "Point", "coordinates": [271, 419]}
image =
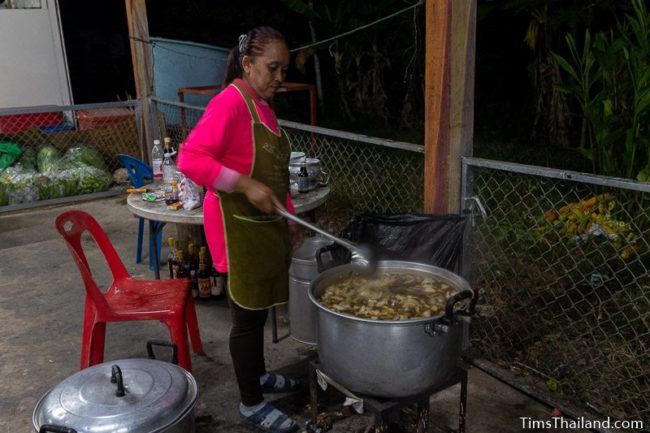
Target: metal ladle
{"type": "Point", "coordinates": [362, 254]}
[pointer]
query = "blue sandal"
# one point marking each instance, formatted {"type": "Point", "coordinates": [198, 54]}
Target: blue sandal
{"type": "Point", "coordinates": [278, 383]}
{"type": "Point", "coordinates": [269, 419]}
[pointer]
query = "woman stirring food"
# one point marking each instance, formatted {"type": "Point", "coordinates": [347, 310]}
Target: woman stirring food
{"type": "Point", "coordinates": [238, 152]}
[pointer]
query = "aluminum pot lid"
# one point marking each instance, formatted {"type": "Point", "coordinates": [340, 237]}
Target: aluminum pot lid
{"type": "Point", "coordinates": [157, 395]}
{"type": "Point", "coordinates": [296, 155]}
{"type": "Point", "coordinates": [310, 245]}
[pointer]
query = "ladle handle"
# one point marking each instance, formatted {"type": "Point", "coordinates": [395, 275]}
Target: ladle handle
{"type": "Point", "coordinates": [328, 235]}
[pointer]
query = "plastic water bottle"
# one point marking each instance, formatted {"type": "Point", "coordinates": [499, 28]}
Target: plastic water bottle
{"type": "Point", "coordinates": [169, 168]}
{"type": "Point", "coordinates": [157, 161]}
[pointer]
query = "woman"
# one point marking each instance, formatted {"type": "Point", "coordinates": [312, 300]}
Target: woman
{"type": "Point", "coordinates": [238, 152]}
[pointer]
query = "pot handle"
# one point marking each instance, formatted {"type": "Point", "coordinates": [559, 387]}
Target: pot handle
{"type": "Point", "coordinates": [460, 296]}
{"type": "Point", "coordinates": [323, 179]}
{"type": "Point", "coordinates": [442, 326]}
{"type": "Point", "coordinates": [55, 429]}
{"type": "Point", "coordinates": [116, 377]}
{"type": "Point", "coordinates": [164, 343]}
{"type": "Point", "coordinates": [321, 266]}
{"type": "Point", "coordinates": [336, 255]}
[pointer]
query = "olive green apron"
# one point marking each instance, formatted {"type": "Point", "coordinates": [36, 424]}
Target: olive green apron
{"type": "Point", "coordinates": [257, 244]}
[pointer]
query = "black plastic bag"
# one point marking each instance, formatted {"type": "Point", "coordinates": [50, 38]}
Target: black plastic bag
{"type": "Point", "coordinates": [431, 239]}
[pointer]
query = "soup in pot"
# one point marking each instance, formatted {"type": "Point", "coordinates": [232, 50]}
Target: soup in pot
{"type": "Point", "coordinates": [388, 296]}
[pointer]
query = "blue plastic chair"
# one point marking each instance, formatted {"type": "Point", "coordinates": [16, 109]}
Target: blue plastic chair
{"type": "Point", "coordinates": [141, 173]}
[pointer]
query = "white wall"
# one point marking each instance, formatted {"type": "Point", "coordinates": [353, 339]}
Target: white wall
{"type": "Point", "coordinates": [33, 68]}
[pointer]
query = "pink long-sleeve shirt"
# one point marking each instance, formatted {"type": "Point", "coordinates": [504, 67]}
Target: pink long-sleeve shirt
{"type": "Point", "coordinates": [219, 150]}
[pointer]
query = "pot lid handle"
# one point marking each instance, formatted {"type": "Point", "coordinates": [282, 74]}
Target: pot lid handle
{"type": "Point", "coordinates": [116, 377]}
{"type": "Point", "coordinates": [55, 429]}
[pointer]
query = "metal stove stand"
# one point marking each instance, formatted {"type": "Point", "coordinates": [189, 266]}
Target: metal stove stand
{"type": "Point", "coordinates": [383, 409]}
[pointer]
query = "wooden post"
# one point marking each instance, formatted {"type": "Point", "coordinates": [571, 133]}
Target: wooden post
{"type": "Point", "coordinates": [463, 54]}
{"type": "Point", "coordinates": [136, 14]}
{"type": "Point", "coordinates": [449, 96]}
{"type": "Point", "coordinates": [436, 105]}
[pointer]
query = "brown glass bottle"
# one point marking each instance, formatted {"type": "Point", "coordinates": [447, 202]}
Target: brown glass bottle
{"type": "Point", "coordinates": [217, 279]}
{"type": "Point", "coordinates": [303, 178]}
{"type": "Point", "coordinates": [192, 266]}
{"type": "Point", "coordinates": [203, 277]}
{"type": "Point", "coordinates": [218, 284]}
{"type": "Point", "coordinates": [171, 256]}
{"type": "Point", "coordinates": [177, 264]}
{"type": "Point", "coordinates": [180, 271]}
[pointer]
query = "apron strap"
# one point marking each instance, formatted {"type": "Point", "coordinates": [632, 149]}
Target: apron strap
{"type": "Point", "coordinates": [249, 103]}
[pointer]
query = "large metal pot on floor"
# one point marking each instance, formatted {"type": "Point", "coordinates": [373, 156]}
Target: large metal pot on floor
{"type": "Point", "coordinates": [128, 395]}
{"type": "Point", "coordinates": [387, 358]}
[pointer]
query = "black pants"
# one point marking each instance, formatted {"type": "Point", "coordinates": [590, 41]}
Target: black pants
{"type": "Point", "coordinates": [247, 351]}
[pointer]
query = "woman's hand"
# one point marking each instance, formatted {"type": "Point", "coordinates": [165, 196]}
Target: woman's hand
{"type": "Point", "coordinates": [258, 194]}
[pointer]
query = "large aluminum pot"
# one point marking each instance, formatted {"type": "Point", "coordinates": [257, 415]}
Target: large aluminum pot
{"type": "Point", "coordinates": [386, 358]}
{"type": "Point", "coordinates": [128, 395]}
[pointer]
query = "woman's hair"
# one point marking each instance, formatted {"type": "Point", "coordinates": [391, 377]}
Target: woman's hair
{"type": "Point", "coordinates": [251, 44]}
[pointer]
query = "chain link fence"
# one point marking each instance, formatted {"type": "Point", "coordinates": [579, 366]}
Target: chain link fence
{"type": "Point", "coordinates": [366, 174]}
{"type": "Point", "coordinates": [49, 153]}
{"type": "Point", "coordinates": [561, 263]}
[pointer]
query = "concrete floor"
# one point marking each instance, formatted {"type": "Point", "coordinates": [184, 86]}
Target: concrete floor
{"type": "Point", "coordinates": [41, 305]}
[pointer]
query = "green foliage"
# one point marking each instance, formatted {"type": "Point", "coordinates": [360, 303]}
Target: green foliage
{"type": "Point", "coordinates": [361, 63]}
{"type": "Point", "coordinates": [302, 8]}
{"type": "Point", "coordinates": [610, 80]}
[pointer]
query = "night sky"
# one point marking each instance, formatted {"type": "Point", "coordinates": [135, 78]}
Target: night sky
{"type": "Point", "coordinates": [100, 65]}
{"type": "Point", "coordinates": [97, 44]}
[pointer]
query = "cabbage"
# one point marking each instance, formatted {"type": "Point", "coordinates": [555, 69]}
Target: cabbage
{"type": "Point", "coordinates": [47, 158]}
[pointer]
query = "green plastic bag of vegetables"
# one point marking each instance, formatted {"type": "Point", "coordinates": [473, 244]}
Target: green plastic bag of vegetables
{"type": "Point", "coordinates": [9, 153]}
{"type": "Point", "coordinates": [28, 158]}
{"type": "Point", "coordinates": [66, 181]}
{"type": "Point", "coordinates": [84, 154]}
{"type": "Point", "coordinates": [48, 187]}
{"type": "Point", "coordinates": [47, 158]}
{"type": "Point", "coordinates": [19, 184]}
{"type": "Point", "coordinates": [91, 179]}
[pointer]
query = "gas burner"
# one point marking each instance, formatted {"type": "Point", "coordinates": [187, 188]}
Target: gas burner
{"type": "Point", "coordinates": [381, 408]}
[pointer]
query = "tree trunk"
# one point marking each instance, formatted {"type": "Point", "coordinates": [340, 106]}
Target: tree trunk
{"type": "Point", "coordinates": [317, 71]}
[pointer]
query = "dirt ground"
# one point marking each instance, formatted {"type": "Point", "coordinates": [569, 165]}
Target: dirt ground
{"type": "Point", "coordinates": [41, 306]}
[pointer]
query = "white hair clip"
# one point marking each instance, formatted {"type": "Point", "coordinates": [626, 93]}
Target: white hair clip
{"type": "Point", "coordinates": [243, 43]}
